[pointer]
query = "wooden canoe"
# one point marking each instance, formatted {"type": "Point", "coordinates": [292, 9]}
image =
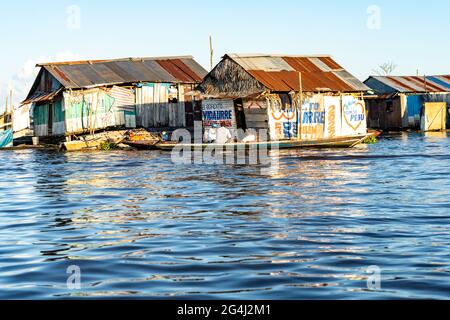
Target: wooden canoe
{"type": "Point", "coordinates": [142, 144]}
{"type": "Point", "coordinates": [341, 142]}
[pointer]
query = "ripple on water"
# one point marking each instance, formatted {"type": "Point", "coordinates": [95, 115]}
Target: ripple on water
{"type": "Point", "coordinates": [139, 226]}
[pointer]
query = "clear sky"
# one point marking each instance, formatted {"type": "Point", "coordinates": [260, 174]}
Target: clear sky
{"type": "Point", "coordinates": [360, 34]}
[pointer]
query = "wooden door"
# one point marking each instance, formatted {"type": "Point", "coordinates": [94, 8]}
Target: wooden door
{"type": "Point", "coordinates": [434, 116]}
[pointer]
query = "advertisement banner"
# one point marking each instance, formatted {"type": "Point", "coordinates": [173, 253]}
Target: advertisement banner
{"type": "Point", "coordinates": [220, 112]}
{"type": "Point", "coordinates": [353, 116]}
{"type": "Point", "coordinates": [313, 118]}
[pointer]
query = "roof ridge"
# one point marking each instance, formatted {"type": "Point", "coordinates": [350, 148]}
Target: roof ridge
{"type": "Point", "coordinates": [266, 55]}
{"type": "Point", "coordinates": [48, 64]}
{"type": "Point", "coordinates": [415, 76]}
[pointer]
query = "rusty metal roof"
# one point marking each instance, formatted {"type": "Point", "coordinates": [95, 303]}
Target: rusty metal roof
{"type": "Point", "coordinates": [42, 96]}
{"type": "Point", "coordinates": [281, 73]}
{"type": "Point", "coordinates": [87, 74]}
{"type": "Point", "coordinates": [411, 84]}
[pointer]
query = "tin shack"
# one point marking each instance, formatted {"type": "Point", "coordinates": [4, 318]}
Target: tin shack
{"type": "Point", "coordinates": [399, 103]}
{"type": "Point", "coordinates": [292, 97]}
{"type": "Point", "coordinates": [74, 98]}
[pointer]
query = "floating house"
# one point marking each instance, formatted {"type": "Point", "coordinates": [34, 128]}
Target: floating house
{"type": "Point", "coordinates": [74, 98]}
{"type": "Point", "coordinates": [292, 97]}
{"type": "Point", "coordinates": [398, 103]}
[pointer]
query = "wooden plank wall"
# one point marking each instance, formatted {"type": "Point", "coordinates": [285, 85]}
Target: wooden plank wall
{"type": "Point", "coordinates": [256, 118]}
{"type": "Point", "coordinates": [154, 111]}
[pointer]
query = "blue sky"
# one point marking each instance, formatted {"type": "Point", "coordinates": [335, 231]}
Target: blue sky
{"type": "Point", "coordinates": [413, 34]}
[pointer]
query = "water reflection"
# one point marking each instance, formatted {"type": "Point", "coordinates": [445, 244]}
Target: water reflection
{"type": "Point", "coordinates": [436, 135]}
{"type": "Point", "coordinates": [138, 226]}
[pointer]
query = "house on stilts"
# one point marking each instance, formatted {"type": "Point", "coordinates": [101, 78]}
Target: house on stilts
{"type": "Point", "coordinates": [291, 97]}
{"type": "Point", "coordinates": [74, 98]}
{"type": "Point", "coordinates": [408, 102]}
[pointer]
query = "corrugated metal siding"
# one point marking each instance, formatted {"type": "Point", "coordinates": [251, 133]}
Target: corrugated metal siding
{"type": "Point", "coordinates": [124, 105]}
{"type": "Point", "coordinates": [415, 104]}
{"type": "Point", "coordinates": [40, 120]}
{"type": "Point", "coordinates": [58, 125]}
{"type": "Point", "coordinates": [99, 109]}
{"type": "Point", "coordinates": [153, 109]}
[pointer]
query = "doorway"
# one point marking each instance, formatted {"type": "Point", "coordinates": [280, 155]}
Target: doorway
{"type": "Point", "coordinates": [434, 116]}
{"type": "Point", "coordinates": [240, 114]}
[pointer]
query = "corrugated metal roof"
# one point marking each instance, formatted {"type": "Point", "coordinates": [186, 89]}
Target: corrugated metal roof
{"type": "Point", "coordinates": [42, 96]}
{"type": "Point", "coordinates": [281, 73]}
{"type": "Point", "coordinates": [411, 84]}
{"type": "Point", "coordinates": [86, 74]}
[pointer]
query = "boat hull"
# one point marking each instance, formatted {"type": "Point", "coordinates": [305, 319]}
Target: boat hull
{"type": "Point", "coordinates": [341, 142]}
{"type": "Point", "coordinates": [142, 145]}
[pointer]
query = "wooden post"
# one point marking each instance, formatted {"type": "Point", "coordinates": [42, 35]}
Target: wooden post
{"type": "Point", "coordinates": [11, 111]}
{"type": "Point", "coordinates": [211, 51]}
{"type": "Point", "coordinates": [300, 107]}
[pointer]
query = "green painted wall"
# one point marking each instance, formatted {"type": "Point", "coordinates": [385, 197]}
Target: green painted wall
{"type": "Point", "coordinates": [40, 114]}
{"type": "Point", "coordinates": [80, 109]}
{"type": "Point", "coordinates": [58, 113]}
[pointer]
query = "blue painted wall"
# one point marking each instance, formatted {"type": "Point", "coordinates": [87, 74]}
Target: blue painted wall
{"type": "Point", "coordinates": [415, 104]}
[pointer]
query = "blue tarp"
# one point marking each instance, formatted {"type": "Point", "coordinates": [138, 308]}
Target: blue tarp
{"type": "Point", "coordinates": [6, 138]}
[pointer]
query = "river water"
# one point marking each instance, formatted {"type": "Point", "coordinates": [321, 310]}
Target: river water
{"type": "Point", "coordinates": [137, 226]}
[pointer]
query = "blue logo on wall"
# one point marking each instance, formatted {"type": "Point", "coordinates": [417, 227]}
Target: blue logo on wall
{"type": "Point", "coordinates": [290, 130]}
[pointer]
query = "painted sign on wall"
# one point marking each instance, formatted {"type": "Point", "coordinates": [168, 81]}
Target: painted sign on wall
{"type": "Point", "coordinates": [333, 122]}
{"type": "Point", "coordinates": [353, 116]}
{"type": "Point", "coordinates": [313, 118]}
{"type": "Point", "coordinates": [284, 124]}
{"type": "Point", "coordinates": [219, 112]}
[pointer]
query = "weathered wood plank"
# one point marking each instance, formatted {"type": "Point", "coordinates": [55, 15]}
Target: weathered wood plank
{"type": "Point", "coordinates": [257, 124]}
